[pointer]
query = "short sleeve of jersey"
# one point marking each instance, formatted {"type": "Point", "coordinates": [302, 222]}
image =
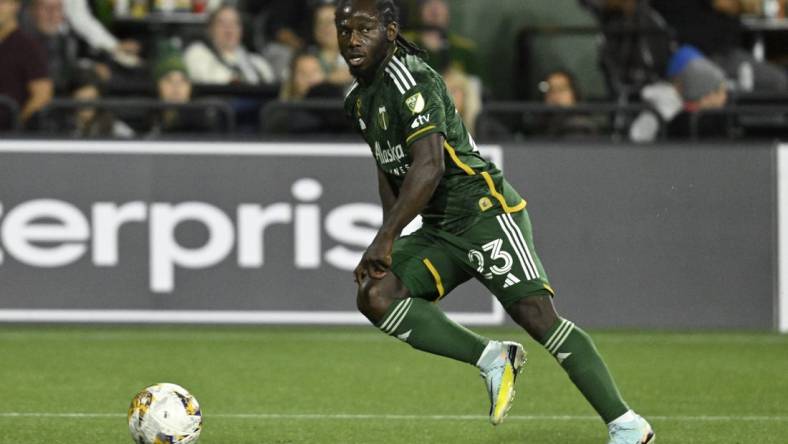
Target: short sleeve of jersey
{"type": "Point", "coordinates": [422, 111]}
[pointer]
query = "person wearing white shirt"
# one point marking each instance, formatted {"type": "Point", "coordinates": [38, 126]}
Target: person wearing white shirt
{"type": "Point", "coordinates": [89, 29]}
{"type": "Point", "coordinates": [223, 60]}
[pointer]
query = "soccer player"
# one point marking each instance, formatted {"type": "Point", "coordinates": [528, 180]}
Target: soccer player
{"type": "Point", "coordinates": [474, 226]}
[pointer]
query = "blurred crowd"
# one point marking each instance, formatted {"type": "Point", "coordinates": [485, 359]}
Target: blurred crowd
{"type": "Point", "coordinates": [148, 68]}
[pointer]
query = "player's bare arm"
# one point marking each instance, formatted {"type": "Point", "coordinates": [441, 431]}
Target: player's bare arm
{"type": "Point", "coordinates": [420, 183]}
{"type": "Point", "coordinates": [386, 193]}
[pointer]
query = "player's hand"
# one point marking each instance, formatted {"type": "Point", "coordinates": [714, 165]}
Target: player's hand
{"type": "Point", "coordinates": [376, 261]}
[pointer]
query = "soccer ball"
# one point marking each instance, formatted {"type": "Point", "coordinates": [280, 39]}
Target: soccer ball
{"type": "Point", "coordinates": [165, 414]}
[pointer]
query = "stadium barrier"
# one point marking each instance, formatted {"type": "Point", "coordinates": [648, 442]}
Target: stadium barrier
{"type": "Point", "coordinates": [612, 119]}
{"type": "Point", "coordinates": [663, 236]}
{"type": "Point", "coordinates": [754, 117]}
{"type": "Point", "coordinates": [321, 116]}
{"type": "Point", "coordinates": [51, 118]}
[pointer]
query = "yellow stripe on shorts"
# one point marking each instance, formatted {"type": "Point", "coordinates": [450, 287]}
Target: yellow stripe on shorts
{"type": "Point", "coordinates": [436, 276]}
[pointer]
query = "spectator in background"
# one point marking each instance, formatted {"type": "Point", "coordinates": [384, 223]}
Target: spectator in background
{"type": "Point", "coordinates": [696, 84]}
{"type": "Point", "coordinates": [84, 24]}
{"type": "Point", "coordinates": [305, 74]}
{"type": "Point", "coordinates": [306, 81]}
{"type": "Point", "coordinates": [326, 48]}
{"type": "Point", "coordinates": [445, 49]}
{"type": "Point", "coordinates": [49, 28]}
{"type": "Point", "coordinates": [51, 31]}
{"type": "Point", "coordinates": [715, 28]}
{"type": "Point", "coordinates": [23, 67]}
{"type": "Point", "coordinates": [287, 28]}
{"type": "Point", "coordinates": [175, 88]}
{"type": "Point", "coordinates": [89, 122]}
{"type": "Point", "coordinates": [560, 90]}
{"type": "Point", "coordinates": [467, 97]}
{"type": "Point", "coordinates": [637, 45]}
{"type": "Point", "coordinates": [223, 60]}
{"type": "Point", "coordinates": [172, 80]}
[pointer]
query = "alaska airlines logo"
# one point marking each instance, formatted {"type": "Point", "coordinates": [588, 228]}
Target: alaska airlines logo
{"type": "Point", "coordinates": [389, 155]}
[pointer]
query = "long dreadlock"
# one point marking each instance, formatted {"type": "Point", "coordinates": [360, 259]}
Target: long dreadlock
{"type": "Point", "coordinates": [389, 12]}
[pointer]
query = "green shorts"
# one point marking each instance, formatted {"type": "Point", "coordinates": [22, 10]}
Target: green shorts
{"type": "Point", "coordinates": [498, 251]}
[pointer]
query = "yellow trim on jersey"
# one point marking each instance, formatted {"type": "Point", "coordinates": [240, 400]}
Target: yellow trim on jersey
{"type": "Point", "coordinates": [453, 154]}
{"type": "Point", "coordinates": [436, 276]}
{"type": "Point", "coordinates": [487, 178]}
{"type": "Point", "coordinates": [499, 196]}
{"type": "Point", "coordinates": [419, 132]}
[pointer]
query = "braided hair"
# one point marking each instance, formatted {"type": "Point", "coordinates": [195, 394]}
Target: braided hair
{"type": "Point", "coordinates": [389, 12]}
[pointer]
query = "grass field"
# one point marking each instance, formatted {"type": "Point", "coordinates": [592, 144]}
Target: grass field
{"type": "Point", "coordinates": [354, 385]}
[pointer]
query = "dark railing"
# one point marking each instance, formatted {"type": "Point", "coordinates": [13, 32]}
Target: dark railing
{"type": "Point", "coordinates": [322, 115]}
{"type": "Point", "coordinates": [305, 105]}
{"type": "Point", "coordinates": [279, 112]}
{"type": "Point", "coordinates": [750, 116]}
{"type": "Point", "coordinates": [10, 106]}
{"type": "Point", "coordinates": [585, 107]}
{"type": "Point", "coordinates": [615, 118]}
{"type": "Point", "coordinates": [55, 108]}
{"type": "Point", "coordinates": [765, 117]}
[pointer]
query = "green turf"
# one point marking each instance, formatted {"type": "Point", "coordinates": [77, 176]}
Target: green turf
{"type": "Point", "coordinates": [299, 382]}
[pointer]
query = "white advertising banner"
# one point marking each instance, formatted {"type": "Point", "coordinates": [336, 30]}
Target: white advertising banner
{"type": "Point", "coordinates": [192, 232]}
{"type": "Point", "coordinates": [641, 237]}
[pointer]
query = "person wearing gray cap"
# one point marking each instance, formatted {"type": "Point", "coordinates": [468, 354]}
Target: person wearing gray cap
{"type": "Point", "coordinates": [699, 81]}
{"type": "Point", "coordinates": [695, 83]}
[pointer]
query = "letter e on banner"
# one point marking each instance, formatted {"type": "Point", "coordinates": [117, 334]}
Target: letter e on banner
{"type": "Point", "coordinates": [23, 236]}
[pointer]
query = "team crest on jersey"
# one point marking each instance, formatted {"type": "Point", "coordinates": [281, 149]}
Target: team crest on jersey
{"type": "Point", "coordinates": [358, 107]}
{"type": "Point", "coordinates": [415, 103]}
{"type": "Point", "coordinates": [383, 118]}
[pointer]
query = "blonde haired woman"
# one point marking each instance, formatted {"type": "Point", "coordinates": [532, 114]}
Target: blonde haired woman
{"type": "Point", "coordinates": [467, 96]}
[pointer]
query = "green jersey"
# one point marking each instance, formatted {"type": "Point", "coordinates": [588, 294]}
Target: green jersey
{"type": "Point", "coordinates": [406, 101]}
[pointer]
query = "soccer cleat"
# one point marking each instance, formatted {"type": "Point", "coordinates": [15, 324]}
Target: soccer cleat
{"type": "Point", "coordinates": [637, 431]}
{"type": "Point", "coordinates": [500, 377]}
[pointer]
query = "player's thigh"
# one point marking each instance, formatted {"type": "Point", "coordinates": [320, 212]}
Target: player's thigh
{"type": "Point", "coordinates": [505, 260]}
{"type": "Point", "coordinates": [426, 266]}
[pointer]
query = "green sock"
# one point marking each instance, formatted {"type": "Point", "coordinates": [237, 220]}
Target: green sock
{"type": "Point", "coordinates": [422, 325]}
{"type": "Point", "coordinates": [576, 353]}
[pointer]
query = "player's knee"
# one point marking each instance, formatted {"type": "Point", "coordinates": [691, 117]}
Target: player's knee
{"type": "Point", "coordinates": [371, 301]}
{"type": "Point", "coordinates": [535, 314]}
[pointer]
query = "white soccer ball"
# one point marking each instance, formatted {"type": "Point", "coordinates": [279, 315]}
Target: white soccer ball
{"type": "Point", "coordinates": [165, 414]}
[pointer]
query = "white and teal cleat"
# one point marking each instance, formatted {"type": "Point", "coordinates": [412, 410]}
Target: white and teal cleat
{"type": "Point", "coordinates": [636, 431]}
{"type": "Point", "coordinates": [500, 377]}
